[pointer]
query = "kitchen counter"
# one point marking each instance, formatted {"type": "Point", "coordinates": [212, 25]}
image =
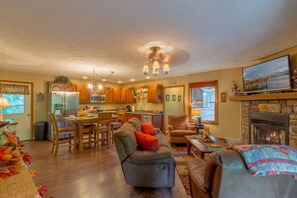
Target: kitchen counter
{"type": "Point", "coordinates": [156, 118]}
{"type": "Point", "coordinates": [144, 112]}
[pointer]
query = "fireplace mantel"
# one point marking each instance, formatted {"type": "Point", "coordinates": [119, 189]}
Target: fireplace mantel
{"type": "Point", "coordinates": [267, 96]}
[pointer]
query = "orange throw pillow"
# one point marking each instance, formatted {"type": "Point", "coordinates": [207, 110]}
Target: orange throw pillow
{"type": "Point", "coordinates": [148, 128]}
{"type": "Point", "coordinates": [146, 142]}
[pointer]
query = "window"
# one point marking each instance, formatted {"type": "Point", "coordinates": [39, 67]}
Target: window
{"type": "Point", "coordinates": [16, 102]}
{"type": "Point", "coordinates": [203, 103]}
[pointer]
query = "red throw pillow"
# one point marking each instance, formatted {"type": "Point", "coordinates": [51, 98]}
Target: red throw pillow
{"type": "Point", "coordinates": [148, 128]}
{"type": "Point", "coordinates": [146, 142]}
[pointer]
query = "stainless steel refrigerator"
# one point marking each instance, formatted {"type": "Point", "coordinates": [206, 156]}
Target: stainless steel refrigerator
{"type": "Point", "coordinates": [62, 104]}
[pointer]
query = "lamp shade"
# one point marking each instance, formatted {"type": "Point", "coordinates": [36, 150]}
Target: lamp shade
{"type": "Point", "coordinates": [3, 102]}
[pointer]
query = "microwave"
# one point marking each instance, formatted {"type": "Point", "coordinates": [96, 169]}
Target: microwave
{"type": "Point", "coordinates": [97, 98]}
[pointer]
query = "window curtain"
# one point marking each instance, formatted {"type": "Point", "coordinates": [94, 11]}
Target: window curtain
{"type": "Point", "coordinates": [14, 89]}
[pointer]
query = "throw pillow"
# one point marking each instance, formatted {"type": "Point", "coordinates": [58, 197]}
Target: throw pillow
{"type": "Point", "coordinates": [148, 128]}
{"type": "Point", "coordinates": [146, 142]}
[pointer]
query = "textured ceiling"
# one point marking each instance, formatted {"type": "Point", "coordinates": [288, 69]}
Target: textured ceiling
{"type": "Point", "coordinates": [71, 37]}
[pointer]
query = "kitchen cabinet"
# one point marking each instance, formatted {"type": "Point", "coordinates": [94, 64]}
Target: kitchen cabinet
{"type": "Point", "coordinates": [108, 94]}
{"type": "Point", "coordinates": [127, 96]}
{"type": "Point", "coordinates": [154, 94]}
{"type": "Point", "coordinates": [116, 95]}
{"type": "Point", "coordinates": [84, 95]}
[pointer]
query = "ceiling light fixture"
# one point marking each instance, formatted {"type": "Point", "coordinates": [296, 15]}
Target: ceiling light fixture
{"type": "Point", "coordinates": [97, 89]}
{"type": "Point", "coordinates": [156, 62]}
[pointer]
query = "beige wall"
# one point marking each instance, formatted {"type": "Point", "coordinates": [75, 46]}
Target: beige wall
{"type": "Point", "coordinates": [228, 112]}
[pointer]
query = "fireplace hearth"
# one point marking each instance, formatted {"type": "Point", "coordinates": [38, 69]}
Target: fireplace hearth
{"type": "Point", "coordinates": [268, 128]}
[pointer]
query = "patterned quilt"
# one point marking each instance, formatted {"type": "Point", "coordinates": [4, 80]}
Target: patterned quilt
{"type": "Point", "coordinates": [264, 160]}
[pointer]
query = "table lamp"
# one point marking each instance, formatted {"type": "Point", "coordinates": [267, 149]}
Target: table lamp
{"type": "Point", "coordinates": [3, 103]}
{"type": "Point", "coordinates": [196, 113]}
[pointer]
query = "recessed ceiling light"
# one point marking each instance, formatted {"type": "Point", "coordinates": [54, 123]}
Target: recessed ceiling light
{"type": "Point", "coordinates": [120, 82]}
{"type": "Point", "coordinates": [85, 77]}
{"type": "Point", "coordinates": [132, 80]}
{"type": "Point", "coordinates": [148, 77]}
{"type": "Point", "coordinates": [104, 80]}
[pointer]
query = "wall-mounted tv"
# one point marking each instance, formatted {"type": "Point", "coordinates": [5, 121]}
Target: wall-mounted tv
{"type": "Point", "coordinates": [267, 76]}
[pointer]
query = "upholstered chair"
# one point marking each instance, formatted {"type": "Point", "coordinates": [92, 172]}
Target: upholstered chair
{"type": "Point", "coordinates": [178, 127]}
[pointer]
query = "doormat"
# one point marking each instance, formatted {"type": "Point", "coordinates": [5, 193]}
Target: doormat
{"type": "Point", "coordinates": [180, 155]}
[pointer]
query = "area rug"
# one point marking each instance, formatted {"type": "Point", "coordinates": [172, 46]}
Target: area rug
{"type": "Point", "coordinates": [180, 155]}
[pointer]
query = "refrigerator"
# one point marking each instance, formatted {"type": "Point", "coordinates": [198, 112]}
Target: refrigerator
{"type": "Point", "coordinates": [62, 104]}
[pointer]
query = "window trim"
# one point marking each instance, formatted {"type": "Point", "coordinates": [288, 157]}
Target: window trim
{"type": "Point", "coordinates": [204, 84]}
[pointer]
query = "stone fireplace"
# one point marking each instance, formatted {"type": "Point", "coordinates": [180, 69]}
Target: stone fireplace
{"type": "Point", "coordinates": [268, 128]}
{"type": "Point", "coordinates": [269, 121]}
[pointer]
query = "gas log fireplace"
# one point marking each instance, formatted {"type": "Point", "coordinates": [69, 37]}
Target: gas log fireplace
{"type": "Point", "coordinates": [268, 128]}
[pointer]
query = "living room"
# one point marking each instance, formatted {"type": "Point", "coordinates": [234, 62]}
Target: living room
{"type": "Point", "coordinates": [36, 43]}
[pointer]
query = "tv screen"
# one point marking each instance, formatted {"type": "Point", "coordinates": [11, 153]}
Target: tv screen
{"type": "Point", "coordinates": [270, 75]}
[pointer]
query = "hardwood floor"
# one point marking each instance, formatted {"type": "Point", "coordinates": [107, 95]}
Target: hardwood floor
{"type": "Point", "coordinates": [88, 174]}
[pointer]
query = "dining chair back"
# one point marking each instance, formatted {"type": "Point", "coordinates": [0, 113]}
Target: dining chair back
{"type": "Point", "coordinates": [101, 132]}
{"type": "Point", "coordinates": [115, 125]}
{"type": "Point", "coordinates": [69, 134]}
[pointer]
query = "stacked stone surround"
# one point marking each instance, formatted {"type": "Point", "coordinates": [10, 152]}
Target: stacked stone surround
{"type": "Point", "coordinates": [275, 106]}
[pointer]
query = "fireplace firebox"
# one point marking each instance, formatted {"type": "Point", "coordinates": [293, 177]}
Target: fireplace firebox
{"type": "Point", "coordinates": [268, 128]}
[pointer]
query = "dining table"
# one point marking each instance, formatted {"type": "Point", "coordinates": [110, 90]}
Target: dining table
{"type": "Point", "coordinates": [79, 123]}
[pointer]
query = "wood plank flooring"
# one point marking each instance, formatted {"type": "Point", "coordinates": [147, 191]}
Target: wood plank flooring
{"type": "Point", "coordinates": [91, 173]}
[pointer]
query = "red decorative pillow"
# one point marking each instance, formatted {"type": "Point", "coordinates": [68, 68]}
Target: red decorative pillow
{"type": "Point", "coordinates": [146, 142]}
{"type": "Point", "coordinates": [148, 128]}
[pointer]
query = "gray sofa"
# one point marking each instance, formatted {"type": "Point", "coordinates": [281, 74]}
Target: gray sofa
{"type": "Point", "coordinates": [144, 168]}
{"type": "Point", "coordinates": [224, 174]}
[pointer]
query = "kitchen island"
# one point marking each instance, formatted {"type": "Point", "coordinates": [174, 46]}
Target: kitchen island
{"type": "Point", "coordinates": [156, 118]}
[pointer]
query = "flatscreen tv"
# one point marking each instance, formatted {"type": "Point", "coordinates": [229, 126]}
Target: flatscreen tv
{"type": "Point", "coordinates": [272, 75]}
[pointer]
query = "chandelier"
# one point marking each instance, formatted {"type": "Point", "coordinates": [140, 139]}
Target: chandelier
{"type": "Point", "coordinates": [97, 89]}
{"type": "Point", "coordinates": [156, 63]}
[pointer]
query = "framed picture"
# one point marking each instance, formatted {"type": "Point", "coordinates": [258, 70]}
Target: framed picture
{"type": "Point", "coordinates": [173, 97]}
{"type": "Point", "coordinates": [179, 98]}
{"type": "Point", "coordinates": [223, 97]}
{"type": "Point", "coordinates": [167, 97]}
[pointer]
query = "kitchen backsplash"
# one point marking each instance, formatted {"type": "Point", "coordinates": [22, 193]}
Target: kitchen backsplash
{"type": "Point", "coordinates": [141, 104]}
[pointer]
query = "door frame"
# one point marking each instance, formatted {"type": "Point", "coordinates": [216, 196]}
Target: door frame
{"type": "Point", "coordinates": [32, 102]}
{"type": "Point", "coordinates": [164, 100]}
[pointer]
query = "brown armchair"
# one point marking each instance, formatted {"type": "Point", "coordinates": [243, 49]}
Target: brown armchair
{"type": "Point", "coordinates": [178, 127]}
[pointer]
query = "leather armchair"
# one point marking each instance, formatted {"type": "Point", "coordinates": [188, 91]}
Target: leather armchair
{"type": "Point", "coordinates": [224, 174]}
{"type": "Point", "coordinates": [178, 127]}
{"type": "Point", "coordinates": [144, 168]}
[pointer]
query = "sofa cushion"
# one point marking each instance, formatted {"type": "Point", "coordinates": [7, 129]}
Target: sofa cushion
{"type": "Point", "coordinates": [178, 133]}
{"type": "Point", "coordinates": [127, 138]}
{"type": "Point", "coordinates": [146, 142]}
{"type": "Point", "coordinates": [148, 128]}
{"type": "Point", "coordinates": [178, 122]}
{"type": "Point", "coordinates": [136, 123]}
{"type": "Point", "coordinates": [196, 169]}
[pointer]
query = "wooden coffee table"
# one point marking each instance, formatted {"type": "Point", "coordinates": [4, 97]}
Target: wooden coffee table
{"type": "Point", "coordinates": [203, 149]}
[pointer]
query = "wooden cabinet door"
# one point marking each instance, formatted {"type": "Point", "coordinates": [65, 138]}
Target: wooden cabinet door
{"type": "Point", "coordinates": [108, 94]}
{"type": "Point", "coordinates": [123, 94]}
{"type": "Point", "coordinates": [116, 95]}
{"type": "Point", "coordinates": [154, 94]}
{"type": "Point", "coordinates": [84, 95]}
{"type": "Point", "coordinates": [129, 96]}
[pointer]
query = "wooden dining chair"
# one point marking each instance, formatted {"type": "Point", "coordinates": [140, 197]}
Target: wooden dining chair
{"type": "Point", "coordinates": [70, 133]}
{"type": "Point", "coordinates": [117, 124]}
{"type": "Point", "coordinates": [101, 132]}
